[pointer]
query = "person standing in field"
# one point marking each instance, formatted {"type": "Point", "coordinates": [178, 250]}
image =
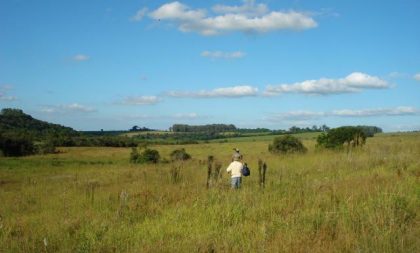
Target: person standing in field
{"type": "Point", "coordinates": [235, 170]}
{"type": "Point", "coordinates": [236, 155]}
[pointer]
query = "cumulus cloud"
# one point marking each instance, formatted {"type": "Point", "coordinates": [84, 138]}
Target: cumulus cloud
{"type": "Point", "coordinates": [417, 76]}
{"type": "Point", "coordinates": [141, 100]}
{"type": "Point", "coordinates": [139, 14]}
{"type": "Point", "coordinates": [80, 57]}
{"type": "Point", "coordinates": [69, 108]}
{"type": "Point", "coordinates": [223, 55]}
{"type": "Point", "coordinates": [355, 82]}
{"type": "Point", "coordinates": [249, 9]}
{"type": "Point", "coordinates": [249, 17]}
{"type": "Point", "coordinates": [235, 91]}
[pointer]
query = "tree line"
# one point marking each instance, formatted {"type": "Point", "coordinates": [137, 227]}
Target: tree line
{"type": "Point", "coordinates": [21, 134]}
{"type": "Point", "coordinates": [202, 128]}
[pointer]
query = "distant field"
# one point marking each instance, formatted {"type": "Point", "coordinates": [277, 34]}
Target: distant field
{"type": "Point", "coordinates": [94, 200]}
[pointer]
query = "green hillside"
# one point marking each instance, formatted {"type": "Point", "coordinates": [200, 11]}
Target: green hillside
{"type": "Point", "coordinates": [15, 120]}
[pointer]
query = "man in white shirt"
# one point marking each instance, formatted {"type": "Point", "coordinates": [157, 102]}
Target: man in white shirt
{"type": "Point", "coordinates": [235, 169]}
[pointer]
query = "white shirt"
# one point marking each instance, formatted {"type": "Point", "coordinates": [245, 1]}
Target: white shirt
{"type": "Point", "coordinates": [235, 168]}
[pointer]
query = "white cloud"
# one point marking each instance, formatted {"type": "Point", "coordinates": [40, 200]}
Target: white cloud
{"type": "Point", "coordinates": [223, 55]}
{"type": "Point", "coordinates": [139, 14]}
{"type": "Point", "coordinates": [249, 8]}
{"type": "Point", "coordinates": [75, 107]}
{"type": "Point", "coordinates": [249, 17]}
{"type": "Point", "coordinates": [70, 108]}
{"type": "Point", "coordinates": [141, 100]}
{"type": "Point", "coordinates": [417, 76]}
{"type": "Point", "coordinates": [355, 82]}
{"type": "Point", "coordinates": [235, 91]}
{"type": "Point", "coordinates": [177, 11]}
{"type": "Point", "coordinates": [80, 57]}
{"type": "Point", "coordinates": [398, 111]}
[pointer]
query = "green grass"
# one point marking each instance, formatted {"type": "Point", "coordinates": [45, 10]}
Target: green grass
{"type": "Point", "coordinates": [94, 200]}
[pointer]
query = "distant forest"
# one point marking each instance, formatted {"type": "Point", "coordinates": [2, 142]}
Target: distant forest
{"type": "Point", "coordinates": [203, 128]}
{"type": "Point", "coordinates": [21, 134]}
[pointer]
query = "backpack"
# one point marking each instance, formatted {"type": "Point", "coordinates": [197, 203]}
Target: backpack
{"type": "Point", "coordinates": [245, 171]}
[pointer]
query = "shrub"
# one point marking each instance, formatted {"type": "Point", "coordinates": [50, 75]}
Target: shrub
{"type": "Point", "coordinates": [134, 155]}
{"type": "Point", "coordinates": [16, 144]}
{"type": "Point", "coordinates": [287, 144]}
{"type": "Point", "coordinates": [46, 147]}
{"type": "Point", "coordinates": [180, 155]}
{"type": "Point", "coordinates": [147, 156]}
{"type": "Point", "coordinates": [337, 137]}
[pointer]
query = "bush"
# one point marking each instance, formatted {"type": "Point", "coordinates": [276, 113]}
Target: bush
{"type": "Point", "coordinates": [180, 155]}
{"type": "Point", "coordinates": [337, 137]}
{"type": "Point", "coordinates": [147, 156]}
{"type": "Point", "coordinates": [287, 144]}
{"type": "Point", "coordinates": [16, 144]}
{"type": "Point", "coordinates": [134, 155]}
{"type": "Point", "coordinates": [46, 147]}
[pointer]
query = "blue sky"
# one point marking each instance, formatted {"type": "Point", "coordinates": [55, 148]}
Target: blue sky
{"type": "Point", "coordinates": [108, 64]}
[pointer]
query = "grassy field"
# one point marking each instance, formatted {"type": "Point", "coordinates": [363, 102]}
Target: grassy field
{"type": "Point", "coordinates": [94, 200]}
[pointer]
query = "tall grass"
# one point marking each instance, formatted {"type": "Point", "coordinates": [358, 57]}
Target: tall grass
{"type": "Point", "coordinates": [94, 200]}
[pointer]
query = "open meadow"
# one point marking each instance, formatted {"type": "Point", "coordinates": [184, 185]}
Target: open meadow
{"type": "Point", "coordinates": [94, 200]}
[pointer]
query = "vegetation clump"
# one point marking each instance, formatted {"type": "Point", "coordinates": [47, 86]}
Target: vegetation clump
{"type": "Point", "coordinates": [146, 156]}
{"type": "Point", "coordinates": [338, 137]}
{"type": "Point", "coordinates": [16, 144]}
{"type": "Point", "coordinates": [287, 144]}
{"type": "Point", "coordinates": [180, 155]}
{"type": "Point", "coordinates": [45, 147]}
